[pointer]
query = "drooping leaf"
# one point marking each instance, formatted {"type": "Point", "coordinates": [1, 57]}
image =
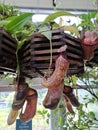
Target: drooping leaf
{"type": "Point", "coordinates": [18, 22]}
{"type": "Point", "coordinates": [10, 18]}
{"type": "Point", "coordinates": [55, 15]}
{"type": "Point", "coordinates": [45, 30]}
{"type": "Point", "coordinates": [7, 20]}
{"type": "Point", "coordinates": [71, 29]}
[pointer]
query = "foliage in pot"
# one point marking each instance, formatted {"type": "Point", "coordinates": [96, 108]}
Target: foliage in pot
{"type": "Point", "coordinates": [21, 27]}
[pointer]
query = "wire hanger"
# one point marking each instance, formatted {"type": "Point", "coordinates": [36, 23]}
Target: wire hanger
{"type": "Point", "coordinates": [54, 3]}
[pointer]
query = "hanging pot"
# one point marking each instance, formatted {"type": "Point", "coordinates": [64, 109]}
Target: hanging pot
{"type": "Point", "coordinates": [34, 56]}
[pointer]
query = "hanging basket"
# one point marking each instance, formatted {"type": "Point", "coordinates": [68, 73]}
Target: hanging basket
{"type": "Point", "coordinates": [8, 46]}
{"type": "Point", "coordinates": [34, 56]}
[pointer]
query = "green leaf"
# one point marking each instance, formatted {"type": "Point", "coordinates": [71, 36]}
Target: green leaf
{"type": "Point", "coordinates": [18, 22]}
{"type": "Point", "coordinates": [59, 119]}
{"type": "Point", "coordinates": [92, 115]}
{"type": "Point", "coordinates": [97, 93]}
{"type": "Point", "coordinates": [10, 18]}
{"type": "Point", "coordinates": [45, 30]}
{"type": "Point", "coordinates": [48, 115]}
{"type": "Point", "coordinates": [20, 44]}
{"type": "Point", "coordinates": [71, 29]}
{"type": "Point", "coordinates": [53, 16]}
{"type": "Point", "coordinates": [74, 79]}
{"type": "Point", "coordinates": [47, 121]}
{"type": "Point", "coordinates": [7, 20]}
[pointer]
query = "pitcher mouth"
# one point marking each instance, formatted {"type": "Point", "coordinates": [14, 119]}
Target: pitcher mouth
{"type": "Point", "coordinates": [91, 44]}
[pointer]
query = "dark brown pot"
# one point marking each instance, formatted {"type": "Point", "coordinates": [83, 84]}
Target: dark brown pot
{"type": "Point", "coordinates": [34, 56]}
{"type": "Point", "coordinates": [8, 46]}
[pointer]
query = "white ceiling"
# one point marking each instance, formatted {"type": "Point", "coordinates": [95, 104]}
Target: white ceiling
{"type": "Point", "coordinates": [82, 5]}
